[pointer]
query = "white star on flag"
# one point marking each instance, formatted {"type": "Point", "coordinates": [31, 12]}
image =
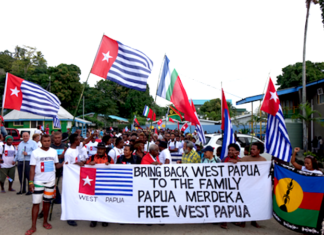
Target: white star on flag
{"type": "Point", "coordinates": [15, 91]}
{"type": "Point", "coordinates": [274, 96]}
{"type": "Point", "coordinates": [87, 181]}
{"type": "Point", "coordinates": [106, 56]}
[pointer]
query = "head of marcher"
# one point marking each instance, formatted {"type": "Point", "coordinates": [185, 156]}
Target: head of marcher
{"type": "Point", "coordinates": [198, 147]}
{"type": "Point", "coordinates": [36, 137]}
{"type": "Point", "coordinates": [219, 151]}
{"type": "Point", "coordinates": [233, 150]}
{"type": "Point", "coordinates": [311, 163]}
{"type": "Point", "coordinates": [74, 140]}
{"type": "Point", "coordinates": [128, 151]}
{"type": "Point", "coordinates": [167, 136]}
{"type": "Point", "coordinates": [163, 145]}
{"type": "Point", "coordinates": [246, 150]}
{"type": "Point", "coordinates": [154, 150]}
{"type": "Point", "coordinates": [208, 152]}
{"type": "Point", "coordinates": [139, 146]}
{"type": "Point", "coordinates": [125, 137]}
{"type": "Point", "coordinates": [256, 149]}
{"type": "Point", "coordinates": [78, 132]}
{"type": "Point", "coordinates": [172, 136]}
{"type": "Point", "coordinates": [9, 140]}
{"type": "Point", "coordinates": [106, 140]}
{"type": "Point", "coordinates": [57, 138]}
{"type": "Point", "coordinates": [187, 146]}
{"type": "Point", "coordinates": [93, 139]}
{"type": "Point", "coordinates": [46, 141]}
{"type": "Point", "coordinates": [101, 149]}
{"type": "Point", "coordinates": [119, 143]}
{"type": "Point", "coordinates": [25, 136]}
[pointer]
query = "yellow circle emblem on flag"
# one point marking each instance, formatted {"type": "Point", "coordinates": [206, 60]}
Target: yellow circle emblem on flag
{"type": "Point", "coordinates": [289, 194]}
{"type": "Point", "coordinates": [163, 125]}
{"type": "Point", "coordinates": [152, 127]}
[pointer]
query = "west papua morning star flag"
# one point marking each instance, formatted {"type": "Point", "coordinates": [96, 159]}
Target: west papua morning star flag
{"type": "Point", "coordinates": [26, 96]}
{"type": "Point", "coordinates": [184, 127]}
{"type": "Point", "coordinates": [199, 128]}
{"type": "Point", "coordinates": [277, 141]}
{"type": "Point", "coordinates": [226, 127]}
{"type": "Point", "coordinates": [159, 122]}
{"type": "Point", "coordinates": [122, 64]}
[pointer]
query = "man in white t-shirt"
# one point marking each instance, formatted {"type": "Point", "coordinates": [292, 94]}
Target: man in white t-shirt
{"type": "Point", "coordinates": [75, 153]}
{"type": "Point", "coordinates": [92, 146]}
{"type": "Point", "coordinates": [118, 150]}
{"type": "Point", "coordinates": [174, 145]}
{"type": "Point", "coordinates": [43, 162]}
{"type": "Point", "coordinates": [165, 156]}
{"type": "Point", "coordinates": [7, 158]}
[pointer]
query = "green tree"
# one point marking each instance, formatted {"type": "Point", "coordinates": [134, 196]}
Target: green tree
{"type": "Point", "coordinates": [292, 74]}
{"type": "Point", "coordinates": [65, 84]}
{"type": "Point", "coordinates": [213, 108]}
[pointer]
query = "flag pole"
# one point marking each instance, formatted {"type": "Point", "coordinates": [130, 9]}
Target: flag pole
{"type": "Point", "coordinates": [4, 95]}
{"type": "Point", "coordinates": [265, 85]}
{"type": "Point", "coordinates": [84, 85]}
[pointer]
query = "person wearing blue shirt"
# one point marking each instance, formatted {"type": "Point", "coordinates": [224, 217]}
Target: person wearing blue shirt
{"type": "Point", "coordinates": [25, 148]}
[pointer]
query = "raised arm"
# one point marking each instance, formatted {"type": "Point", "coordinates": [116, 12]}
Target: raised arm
{"type": "Point", "coordinates": [293, 159]}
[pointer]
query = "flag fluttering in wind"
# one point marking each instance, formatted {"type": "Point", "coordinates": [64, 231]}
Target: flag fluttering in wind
{"type": "Point", "coordinates": [122, 64]}
{"type": "Point", "coordinates": [184, 127]}
{"type": "Point", "coordinates": [136, 123]}
{"type": "Point", "coordinates": [171, 89]}
{"type": "Point", "coordinates": [26, 96]}
{"type": "Point", "coordinates": [199, 128]}
{"type": "Point", "coordinates": [159, 122]}
{"type": "Point", "coordinates": [126, 129]}
{"type": "Point", "coordinates": [147, 112]}
{"type": "Point", "coordinates": [174, 114]}
{"type": "Point", "coordinates": [226, 127]}
{"type": "Point", "coordinates": [277, 141]}
{"type": "Point", "coordinates": [169, 119]}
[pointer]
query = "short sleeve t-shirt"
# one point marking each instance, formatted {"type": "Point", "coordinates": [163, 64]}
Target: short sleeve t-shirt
{"type": "Point", "coordinates": [44, 162]}
{"type": "Point", "coordinates": [59, 149]}
{"type": "Point", "coordinates": [313, 171]}
{"type": "Point", "coordinates": [115, 153]}
{"type": "Point", "coordinates": [8, 155]}
{"type": "Point", "coordinates": [132, 160]}
{"type": "Point", "coordinates": [75, 155]}
{"type": "Point", "coordinates": [92, 148]}
{"type": "Point", "coordinates": [164, 155]}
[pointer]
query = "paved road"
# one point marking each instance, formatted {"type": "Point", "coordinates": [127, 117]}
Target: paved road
{"type": "Point", "coordinates": [15, 218]}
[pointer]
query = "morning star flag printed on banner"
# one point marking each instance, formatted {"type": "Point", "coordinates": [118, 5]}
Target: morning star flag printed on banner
{"type": "Point", "coordinates": [26, 96]}
{"type": "Point", "coordinates": [155, 195]}
{"type": "Point", "coordinates": [171, 89]}
{"type": "Point", "coordinates": [147, 112]}
{"type": "Point", "coordinates": [122, 64]}
{"type": "Point", "coordinates": [298, 199]}
{"type": "Point", "coordinates": [277, 141]}
{"type": "Point", "coordinates": [226, 127]}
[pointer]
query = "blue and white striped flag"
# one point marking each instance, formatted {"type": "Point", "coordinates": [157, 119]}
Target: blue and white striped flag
{"type": "Point", "coordinates": [29, 97]}
{"type": "Point", "coordinates": [122, 64]}
{"type": "Point", "coordinates": [277, 141]}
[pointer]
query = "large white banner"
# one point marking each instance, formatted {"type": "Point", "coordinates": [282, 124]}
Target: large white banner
{"type": "Point", "coordinates": [178, 193]}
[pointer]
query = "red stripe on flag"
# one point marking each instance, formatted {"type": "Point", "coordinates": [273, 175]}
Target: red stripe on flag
{"type": "Point", "coordinates": [312, 201]}
{"type": "Point", "coordinates": [13, 93]}
{"type": "Point", "coordinates": [87, 180]}
{"type": "Point", "coordinates": [42, 167]}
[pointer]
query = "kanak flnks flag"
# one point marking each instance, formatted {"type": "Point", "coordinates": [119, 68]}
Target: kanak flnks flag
{"type": "Point", "coordinates": [122, 64]}
{"type": "Point", "coordinates": [26, 96]}
{"type": "Point", "coordinates": [226, 127]}
{"type": "Point", "coordinates": [184, 127]}
{"type": "Point", "coordinates": [277, 141]}
{"type": "Point", "coordinates": [106, 182]}
{"type": "Point", "coordinates": [147, 112]}
{"type": "Point", "coordinates": [171, 89]}
{"type": "Point", "coordinates": [298, 199]}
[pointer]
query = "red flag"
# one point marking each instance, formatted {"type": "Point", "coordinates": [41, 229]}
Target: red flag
{"type": "Point", "coordinates": [155, 132]}
{"type": "Point", "coordinates": [13, 94]}
{"type": "Point", "coordinates": [106, 56]}
{"type": "Point", "coordinates": [181, 101]}
{"type": "Point", "coordinates": [184, 127]}
{"type": "Point", "coordinates": [170, 119]}
{"type": "Point", "coordinates": [178, 126]}
{"type": "Point", "coordinates": [224, 106]}
{"type": "Point", "coordinates": [87, 180]}
{"type": "Point", "coordinates": [42, 167]}
{"type": "Point", "coordinates": [271, 100]}
{"type": "Point", "coordinates": [159, 122]}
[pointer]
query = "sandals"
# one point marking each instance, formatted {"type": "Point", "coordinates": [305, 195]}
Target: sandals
{"type": "Point", "coordinates": [240, 224]}
{"type": "Point", "coordinates": [30, 231]}
{"type": "Point", "coordinates": [223, 225]}
{"type": "Point", "coordinates": [47, 226]}
{"type": "Point", "coordinates": [255, 224]}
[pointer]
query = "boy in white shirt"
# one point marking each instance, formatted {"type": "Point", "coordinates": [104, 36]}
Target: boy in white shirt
{"type": "Point", "coordinates": [43, 162]}
{"type": "Point", "coordinates": [7, 157]}
{"type": "Point", "coordinates": [92, 146]}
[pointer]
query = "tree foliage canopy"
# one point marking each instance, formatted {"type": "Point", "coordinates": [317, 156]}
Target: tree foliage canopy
{"type": "Point", "coordinates": [292, 74]}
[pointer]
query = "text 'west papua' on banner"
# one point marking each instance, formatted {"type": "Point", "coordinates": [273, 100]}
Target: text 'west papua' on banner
{"type": "Point", "coordinates": [191, 193]}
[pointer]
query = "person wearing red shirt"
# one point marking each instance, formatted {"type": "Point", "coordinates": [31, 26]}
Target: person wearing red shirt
{"type": "Point", "coordinates": [152, 156]}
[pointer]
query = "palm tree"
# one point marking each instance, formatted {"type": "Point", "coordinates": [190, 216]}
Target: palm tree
{"type": "Point", "coordinates": [308, 4]}
{"type": "Point", "coordinates": [308, 117]}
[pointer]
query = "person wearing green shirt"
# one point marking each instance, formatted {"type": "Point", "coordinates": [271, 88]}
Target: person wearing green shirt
{"type": "Point", "coordinates": [189, 154]}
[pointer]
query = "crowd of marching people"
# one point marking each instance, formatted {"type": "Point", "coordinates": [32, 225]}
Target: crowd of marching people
{"type": "Point", "coordinates": [40, 159]}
